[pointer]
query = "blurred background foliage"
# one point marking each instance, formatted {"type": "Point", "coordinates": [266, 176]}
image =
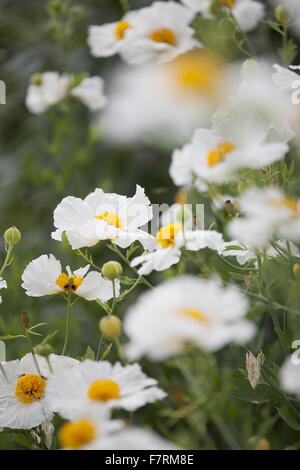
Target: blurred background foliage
{"type": "Point", "coordinates": [45, 158]}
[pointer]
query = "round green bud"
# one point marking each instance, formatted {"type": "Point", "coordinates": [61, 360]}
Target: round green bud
{"type": "Point", "coordinates": [249, 66]}
{"type": "Point", "coordinates": [241, 187]}
{"type": "Point", "coordinates": [44, 350]}
{"type": "Point", "coordinates": [36, 79]}
{"type": "Point", "coordinates": [296, 271]}
{"type": "Point", "coordinates": [112, 270]}
{"type": "Point", "coordinates": [110, 326]}
{"type": "Point", "coordinates": [182, 215]}
{"type": "Point", "coordinates": [283, 14]}
{"type": "Point", "coordinates": [12, 236]}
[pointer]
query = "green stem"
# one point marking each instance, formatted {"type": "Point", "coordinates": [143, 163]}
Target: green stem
{"type": "Point", "coordinates": [99, 348]}
{"type": "Point", "coordinates": [7, 259]}
{"type": "Point", "coordinates": [119, 253]}
{"type": "Point", "coordinates": [120, 351]}
{"type": "Point", "coordinates": [68, 324]}
{"type": "Point", "coordinates": [28, 338]}
{"type": "Point", "coordinates": [114, 297]}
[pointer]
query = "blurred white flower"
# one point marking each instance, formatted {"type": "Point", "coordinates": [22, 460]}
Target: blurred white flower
{"type": "Point", "coordinates": [182, 311]}
{"type": "Point", "coordinates": [244, 253]}
{"type": "Point", "coordinates": [3, 285]}
{"type": "Point", "coordinates": [50, 88]}
{"type": "Point", "coordinates": [104, 216]}
{"type": "Point", "coordinates": [248, 13]}
{"type": "Point", "coordinates": [22, 389]}
{"type": "Point", "coordinates": [290, 376]}
{"type": "Point", "coordinates": [267, 212]}
{"type": "Point", "coordinates": [168, 101]}
{"type": "Point", "coordinates": [109, 386]}
{"type": "Point", "coordinates": [44, 276]}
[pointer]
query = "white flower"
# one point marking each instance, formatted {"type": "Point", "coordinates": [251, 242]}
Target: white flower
{"type": "Point", "coordinates": [88, 429]}
{"type": "Point", "coordinates": [22, 389]}
{"type": "Point", "coordinates": [248, 13]}
{"type": "Point", "coordinates": [244, 253]}
{"type": "Point", "coordinates": [106, 40]}
{"type": "Point", "coordinates": [110, 386]}
{"type": "Point", "coordinates": [90, 92]}
{"type": "Point", "coordinates": [285, 77]}
{"type": "Point", "coordinates": [169, 241]}
{"type": "Point", "coordinates": [182, 311]}
{"type": "Point", "coordinates": [267, 212]}
{"type": "Point", "coordinates": [159, 33]}
{"type": "Point", "coordinates": [102, 216]}
{"type": "Point", "coordinates": [290, 375]}
{"type": "Point", "coordinates": [3, 285]}
{"type": "Point", "coordinates": [166, 102]}
{"type": "Point", "coordinates": [215, 155]}
{"type": "Point", "coordinates": [44, 276]}
{"type": "Point", "coordinates": [50, 88]}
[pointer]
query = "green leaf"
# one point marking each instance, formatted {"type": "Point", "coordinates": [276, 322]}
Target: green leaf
{"type": "Point", "coordinates": [287, 416]}
{"type": "Point", "coordinates": [89, 354]}
{"type": "Point", "coordinates": [107, 351]}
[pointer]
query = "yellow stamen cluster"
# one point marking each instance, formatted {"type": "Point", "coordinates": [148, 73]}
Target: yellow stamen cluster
{"type": "Point", "coordinates": [166, 235]}
{"type": "Point", "coordinates": [110, 218]}
{"type": "Point", "coordinates": [218, 154]}
{"type": "Point", "coordinates": [120, 29]}
{"type": "Point", "coordinates": [196, 315]}
{"type": "Point", "coordinates": [69, 283]}
{"type": "Point", "coordinates": [104, 390]}
{"type": "Point", "coordinates": [164, 35]}
{"type": "Point", "coordinates": [29, 388]}
{"type": "Point", "coordinates": [76, 435]}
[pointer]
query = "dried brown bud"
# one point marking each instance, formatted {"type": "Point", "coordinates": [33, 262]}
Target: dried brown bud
{"type": "Point", "coordinates": [25, 320]}
{"type": "Point", "coordinates": [253, 366]}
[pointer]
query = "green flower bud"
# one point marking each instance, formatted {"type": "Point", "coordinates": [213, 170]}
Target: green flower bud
{"type": "Point", "coordinates": [241, 187]}
{"type": "Point", "coordinates": [12, 236]}
{"type": "Point", "coordinates": [283, 14]}
{"type": "Point", "coordinates": [110, 326]}
{"type": "Point", "coordinates": [44, 350]}
{"type": "Point", "coordinates": [249, 66]}
{"type": "Point", "coordinates": [112, 270]}
{"type": "Point", "coordinates": [36, 79]}
{"type": "Point", "coordinates": [296, 271]}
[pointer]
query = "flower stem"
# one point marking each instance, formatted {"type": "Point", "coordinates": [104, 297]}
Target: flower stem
{"type": "Point", "coordinates": [125, 5]}
{"type": "Point", "coordinates": [7, 259]}
{"type": "Point", "coordinates": [68, 324]}
{"type": "Point", "coordinates": [32, 351]}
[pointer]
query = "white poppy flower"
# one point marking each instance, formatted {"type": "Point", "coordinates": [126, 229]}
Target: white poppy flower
{"type": "Point", "coordinates": [102, 216]}
{"type": "Point", "coordinates": [50, 88]}
{"type": "Point", "coordinates": [3, 285]}
{"type": "Point", "coordinates": [44, 276]}
{"type": "Point", "coordinates": [215, 155]}
{"type": "Point", "coordinates": [23, 387]}
{"type": "Point", "coordinates": [267, 212]}
{"type": "Point", "coordinates": [106, 40]}
{"type": "Point", "coordinates": [182, 311]}
{"type": "Point", "coordinates": [169, 241]}
{"type": "Point", "coordinates": [159, 33]}
{"type": "Point", "coordinates": [110, 386]}
{"type": "Point", "coordinates": [248, 13]}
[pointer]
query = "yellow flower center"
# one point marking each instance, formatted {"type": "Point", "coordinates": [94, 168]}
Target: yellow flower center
{"type": "Point", "coordinates": [104, 390]}
{"type": "Point", "coordinates": [110, 218]}
{"type": "Point", "coordinates": [120, 29]}
{"type": "Point", "coordinates": [29, 388]}
{"type": "Point", "coordinates": [218, 154]}
{"type": "Point", "coordinates": [76, 435]}
{"type": "Point", "coordinates": [287, 202]}
{"type": "Point", "coordinates": [198, 71]}
{"type": "Point", "coordinates": [196, 315]}
{"type": "Point", "coordinates": [69, 283]}
{"type": "Point", "coordinates": [164, 35]}
{"type": "Point", "coordinates": [166, 235]}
